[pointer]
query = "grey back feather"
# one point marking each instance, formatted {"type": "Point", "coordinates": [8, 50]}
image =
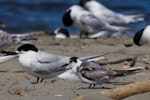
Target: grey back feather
{"type": "Point", "coordinates": [93, 71]}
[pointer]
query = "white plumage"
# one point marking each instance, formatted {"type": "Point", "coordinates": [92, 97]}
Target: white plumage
{"type": "Point", "coordinates": [113, 18]}
{"type": "Point", "coordinates": [87, 22]}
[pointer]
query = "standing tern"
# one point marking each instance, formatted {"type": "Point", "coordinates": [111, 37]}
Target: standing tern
{"type": "Point", "coordinates": [87, 22]}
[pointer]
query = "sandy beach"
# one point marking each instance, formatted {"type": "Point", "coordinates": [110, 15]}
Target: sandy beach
{"type": "Point", "coordinates": [15, 84]}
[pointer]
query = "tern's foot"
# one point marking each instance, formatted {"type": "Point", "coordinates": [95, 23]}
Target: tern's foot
{"type": "Point", "coordinates": [38, 81]}
{"type": "Point", "coordinates": [90, 86]}
{"type": "Point", "coordinates": [34, 82]}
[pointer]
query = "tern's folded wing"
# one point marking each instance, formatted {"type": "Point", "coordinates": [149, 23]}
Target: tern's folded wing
{"type": "Point", "coordinates": [49, 63]}
{"type": "Point", "coordinates": [93, 71]}
{"type": "Point", "coordinates": [91, 66]}
{"type": "Point", "coordinates": [94, 75]}
{"type": "Point", "coordinates": [92, 21]}
{"type": "Point", "coordinates": [44, 57]}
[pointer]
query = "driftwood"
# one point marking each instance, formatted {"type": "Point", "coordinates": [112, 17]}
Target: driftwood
{"type": "Point", "coordinates": [132, 60]}
{"type": "Point", "coordinates": [128, 90]}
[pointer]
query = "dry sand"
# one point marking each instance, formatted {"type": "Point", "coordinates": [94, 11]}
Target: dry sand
{"type": "Point", "coordinates": [15, 84]}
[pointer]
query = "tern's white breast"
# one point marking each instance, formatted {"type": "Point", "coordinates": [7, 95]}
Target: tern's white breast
{"type": "Point", "coordinates": [25, 62]}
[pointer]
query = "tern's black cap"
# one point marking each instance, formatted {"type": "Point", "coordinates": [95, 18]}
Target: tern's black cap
{"type": "Point", "coordinates": [67, 21]}
{"type": "Point", "coordinates": [27, 47]}
{"type": "Point", "coordinates": [137, 37]}
{"type": "Point", "coordinates": [64, 31]}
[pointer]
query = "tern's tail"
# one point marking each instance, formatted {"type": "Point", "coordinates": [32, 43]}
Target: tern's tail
{"type": "Point", "coordinates": [136, 18]}
{"type": "Point", "coordinates": [95, 58]}
{"type": "Point", "coordinates": [128, 71]}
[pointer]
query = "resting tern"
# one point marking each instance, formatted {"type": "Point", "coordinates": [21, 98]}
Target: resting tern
{"type": "Point", "coordinates": [7, 39]}
{"type": "Point", "coordinates": [113, 18]}
{"type": "Point", "coordinates": [63, 33]}
{"type": "Point", "coordinates": [87, 22]}
{"type": "Point", "coordinates": [42, 64]}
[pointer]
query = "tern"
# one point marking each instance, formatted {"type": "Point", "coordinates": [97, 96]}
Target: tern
{"type": "Point", "coordinates": [87, 22]}
{"type": "Point", "coordinates": [88, 72]}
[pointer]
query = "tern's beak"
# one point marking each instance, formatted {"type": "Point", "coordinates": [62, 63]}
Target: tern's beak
{"type": "Point", "coordinates": [17, 52]}
{"type": "Point", "coordinates": [9, 53]}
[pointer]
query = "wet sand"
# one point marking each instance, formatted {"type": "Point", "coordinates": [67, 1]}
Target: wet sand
{"type": "Point", "coordinates": [15, 84]}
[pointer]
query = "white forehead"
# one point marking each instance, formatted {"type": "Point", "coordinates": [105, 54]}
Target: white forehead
{"type": "Point", "coordinates": [146, 32]}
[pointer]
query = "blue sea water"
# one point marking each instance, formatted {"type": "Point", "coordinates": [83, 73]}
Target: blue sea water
{"type": "Point", "coordinates": [36, 15]}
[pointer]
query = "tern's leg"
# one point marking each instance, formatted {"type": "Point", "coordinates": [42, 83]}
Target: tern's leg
{"type": "Point", "coordinates": [37, 81]}
{"type": "Point", "coordinates": [81, 34]}
{"type": "Point", "coordinates": [41, 80]}
{"type": "Point", "coordinates": [90, 86]}
{"type": "Point", "coordinates": [94, 85]}
{"type": "Point", "coordinates": [86, 35]}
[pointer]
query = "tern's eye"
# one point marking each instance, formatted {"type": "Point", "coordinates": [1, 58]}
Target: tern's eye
{"type": "Point", "coordinates": [73, 59]}
{"type": "Point", "coordinates": [70, 61]}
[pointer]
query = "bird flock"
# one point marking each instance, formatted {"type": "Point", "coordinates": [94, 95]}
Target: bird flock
{"type": "Point", "coordinates": [90, 17]}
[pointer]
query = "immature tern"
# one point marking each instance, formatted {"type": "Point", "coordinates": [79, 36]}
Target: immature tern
{"type": "Point", "coordinates": [88, 72]}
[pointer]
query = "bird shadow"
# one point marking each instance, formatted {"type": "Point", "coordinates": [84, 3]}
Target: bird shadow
{"type": "Point", "coordinates": [119, 83]}
{"type": "Point", "coordinates": [95, 88]}
{"type": "Point", "coordinates": [114, 83]}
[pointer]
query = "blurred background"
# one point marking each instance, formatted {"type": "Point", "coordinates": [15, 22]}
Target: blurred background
{"type": "Point", "coordinates": [21, 16]}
